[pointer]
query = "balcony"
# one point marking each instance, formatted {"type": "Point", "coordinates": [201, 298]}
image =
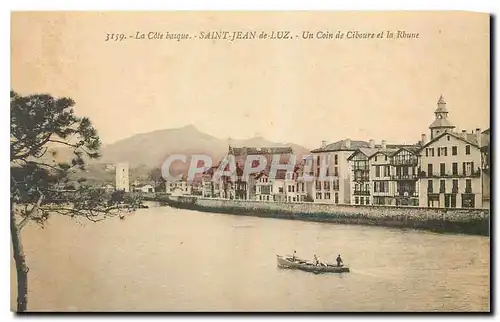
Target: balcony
{"type": "Point", "coordinates": [472, 174]}
{"type": "Point", "coordinates": [361, 193]}
{"type": "Point", "coordinates": [405, 193]}
{"type": "Point", "coordinates": [404, 177]}
{"type": "Point", "coordinates": [361, 178]}
{"type": "Point", "coordinates": [410, 162]}
{"type": "Point", "coordinates": [382, 194]}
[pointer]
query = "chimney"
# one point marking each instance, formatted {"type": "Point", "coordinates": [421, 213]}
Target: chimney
{"type": "Point", "coordinates": [424, 138]}
{"type": "Point", "coordinates": [478, 136]}
{"type": "Point", "coordinates": [464, 134]}
{"type": "Point", "coordinates": [323, 144]}
{"type": "Point", "coordinates": [372, 144]}
{"type": "Point", "coordinates": [347, 143]}
{"type": "Point", "coordinates": [384, 145]}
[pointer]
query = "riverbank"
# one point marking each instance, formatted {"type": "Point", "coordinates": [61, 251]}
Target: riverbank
{"type": "Point", "coordinates": [458, 220]}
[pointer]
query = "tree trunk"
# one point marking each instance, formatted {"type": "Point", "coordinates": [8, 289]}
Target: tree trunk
{"type": "Point", "coordinates": [21, 267]}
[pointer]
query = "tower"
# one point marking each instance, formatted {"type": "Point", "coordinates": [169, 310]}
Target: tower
{"type": "Point", "coordinates": [441, 123]}
{"type": "Point", "coordinates": [122, 177]}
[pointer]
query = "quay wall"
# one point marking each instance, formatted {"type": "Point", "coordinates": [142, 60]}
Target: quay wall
{"type": "Point", "coordinates": [457, 220]}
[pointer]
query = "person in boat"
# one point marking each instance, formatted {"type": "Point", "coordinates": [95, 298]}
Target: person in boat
{"type": "Point", "coordinates": [339, 261]}
{"type": "Point", "coordinates": [316, 261]}
{"type": "Point", "coordinates": [294, 256]}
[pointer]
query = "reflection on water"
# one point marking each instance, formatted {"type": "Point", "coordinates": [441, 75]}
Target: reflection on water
{"type": "Point", "coordinates": [165, 259]}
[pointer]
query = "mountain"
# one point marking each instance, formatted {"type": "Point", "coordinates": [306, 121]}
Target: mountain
{"type": "Point", "coordinates": [151, 149]}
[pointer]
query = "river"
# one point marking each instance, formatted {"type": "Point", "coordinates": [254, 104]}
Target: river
{"type": "Point", "coordinates": [166, 259]}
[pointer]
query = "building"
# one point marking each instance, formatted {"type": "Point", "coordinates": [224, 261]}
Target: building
{"type": "Point", "coordinates": [485, 167]}
{"type": "Point", "coordinates": [145, 188]}
{"type": "Point", "coordinates": [212, 187]}
{"type": "Point", "coordinates": [122, 177]}
{"type": "Point", "coordinates": [382, 186]}
{"type": "Point", "coordinates": [304, 183]}
{"type": "Point", "coordinates": [282, 154]}
{"type": "Point", "coordinates": [178, 187]}
{"type": "Point", "coordinates": [283, 188]}
{"type": "Point", "coordinates": [263, 187]}
{"type": "Point", "coordinates": [404, 176]}
{"type": "Point", "coordinates": [334, 157]}
{"type": "Point", "coordinates": [360, 185]}
{"type": "Point", "coordinates": [450, 165]}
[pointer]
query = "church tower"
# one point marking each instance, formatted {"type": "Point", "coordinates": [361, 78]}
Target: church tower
{"type": "Point", "coordinates": [441, 123]}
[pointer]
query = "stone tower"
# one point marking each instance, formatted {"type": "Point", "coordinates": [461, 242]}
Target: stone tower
{"type": "Point", "coordinates": [122, 177]}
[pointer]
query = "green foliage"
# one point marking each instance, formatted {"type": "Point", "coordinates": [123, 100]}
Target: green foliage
{"type": "Point", "coordinates": [43, 188]}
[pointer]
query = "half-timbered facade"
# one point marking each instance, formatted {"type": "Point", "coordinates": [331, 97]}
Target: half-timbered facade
{"type": "Point", "coordinates": [360, 176]}
{"type": "Point", "coordinates": [404, 176]}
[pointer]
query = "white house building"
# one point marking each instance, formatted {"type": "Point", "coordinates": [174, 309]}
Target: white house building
{"type": "Point", "coordinates": [335, 156]}
{"type": "Point", "coordinates": [450, 165]}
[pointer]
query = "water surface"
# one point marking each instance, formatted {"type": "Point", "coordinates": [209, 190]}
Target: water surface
{"type": "Point", "coordinates": [166, 259]}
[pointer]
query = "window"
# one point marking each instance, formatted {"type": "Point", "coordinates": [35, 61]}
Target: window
{"type": "Point", "coordinates": [387, 171]}
{"type": "Point", "coordinates": [430, 188]}
{"type": "Point", "coordinates": [454, 150]}
{"type": "Point", "coordinates": [467, 168]}
{"type": "Point", "coordinates": [439, 152]}
{"type": "Point", "coordinates": [376, 186]}
{"type": "Point", "coordinates": [448, 137]}
{"type": "Point", "coordinates": [405, 170]}
{"type": "Point", "coordinates": [427, 152]}
{"type": "Point", "coordinates": [467, 149]}
{"type": "Point", "coordinates": [431, 152]}
{"type": "Point", "coordinates": [336, 197]}
{"type": "Point", "coordinates": [445, 150]}
{"type": "Point", "coordinates": [336, 159]}
{"type": "Point", "coordinates": [468, 201]}
{"type": "Point", "coordinates": [429, 170]}
{"type": "Point", "coordinates": [318, 195]}
{"type": "Point", "coordinates": [442, 169]}
{"type": "Point", "coordinates": [356, 200]}
{"type": "Point", "coordinates": [377, 171]}
{"type": "Point", "coordinates": [386, 186]}
{"type": "Point", "coordinates": [375, 158]}
{"type": "Point", "coordinates": [361, 200]}
{"type": "Point", "coordinates": [367, 201]}
{"type": "Point", "coordinates": [453, 201]}
{"type": "Point", "coordinates": [442, 186]}
{"type": "Point", "coordinates": [455, 186]}
{"type": "Point", "coordinates": [327, 195]}
{"type": "Point", "coordinates": [336, 171]}
{"type": "Point", "coordinates": [318, 185]}
{"type": "Point", "coordinates": [468, 186]}
{"type": "Point", "coordinates": [367, 187]}
{"type": "Point", "coordinates": [386, 158]}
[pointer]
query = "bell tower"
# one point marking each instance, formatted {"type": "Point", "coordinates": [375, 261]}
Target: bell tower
{"type": "Point", "coordinates": [441, 124]}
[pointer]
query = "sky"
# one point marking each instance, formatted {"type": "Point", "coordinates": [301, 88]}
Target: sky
{"type": "Point", "coordinates": [300, 90]}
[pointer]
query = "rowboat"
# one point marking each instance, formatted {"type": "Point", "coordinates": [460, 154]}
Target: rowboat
{"type": "Point", "coordinates": [284, 262]}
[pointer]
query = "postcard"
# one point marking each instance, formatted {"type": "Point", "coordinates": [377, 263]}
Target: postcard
{"type": "Point", "coordinates": [246, 161]}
